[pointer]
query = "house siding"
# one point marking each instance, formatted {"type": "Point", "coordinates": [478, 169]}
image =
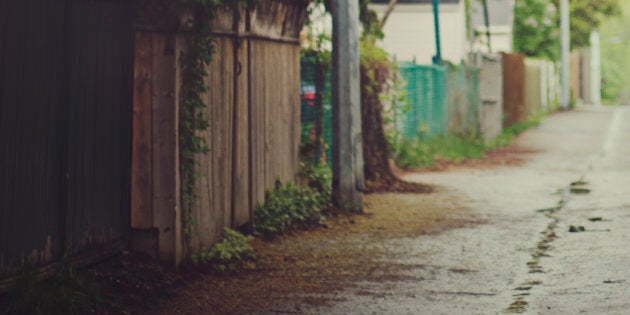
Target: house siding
{"type": "Point", "coordinates": [410, 33]}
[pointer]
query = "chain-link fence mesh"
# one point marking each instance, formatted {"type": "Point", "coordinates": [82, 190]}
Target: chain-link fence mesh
{"type": "Point", "coordinates": [463, 100]}
{"type": "Point", "coordinates": [315, 113]}
{"type": "Point", "coordinates": [426, 112]}
{"type": "Point", "coordinates": [440, 99]}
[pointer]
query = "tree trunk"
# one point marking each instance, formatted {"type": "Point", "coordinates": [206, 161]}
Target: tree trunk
{"type": "Point", "coordinates": [375, 147]}
{"type": "Point", "coordinates": [379, 176]}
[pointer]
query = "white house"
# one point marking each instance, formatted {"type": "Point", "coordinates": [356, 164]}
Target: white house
{"type": "Point", "coordinates": [501, 18]}
{"type": "Point", "coordinates": [410, 33]}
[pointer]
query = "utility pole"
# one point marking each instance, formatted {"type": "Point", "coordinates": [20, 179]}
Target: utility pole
{"type": "Point", "coordinates": [347, 150]}
{"type": "Point", "coordinates": [565, 42]}
{"type": "Point", "coordinates": [596, 69]}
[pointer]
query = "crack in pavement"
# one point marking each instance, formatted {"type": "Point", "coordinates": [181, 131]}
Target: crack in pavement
{"type": "Point", "coordinates": [578, 187]}
{"type": "Point", "coordinates": [519, 304]}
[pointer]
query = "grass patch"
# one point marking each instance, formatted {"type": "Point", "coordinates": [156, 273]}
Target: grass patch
{"type": "Point", "coordinates": [422, 152]}
{"type": "Point", "coordinates": [509, 133]}
{"type": "Point", "coordinates": [66, 292]}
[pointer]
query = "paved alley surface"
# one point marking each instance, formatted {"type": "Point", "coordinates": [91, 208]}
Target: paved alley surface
{"type": "Point", "coordinates": [555, 237]}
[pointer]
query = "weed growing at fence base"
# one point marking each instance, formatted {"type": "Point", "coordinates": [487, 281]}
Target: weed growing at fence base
{"type": "Point", "coordinates": [508, 134]}
{"type": "Point", "coordinates": [421, 153]}
{"type": "Point", "coordinates": [289, 206]}
{"type": "Point", "coordinates": [292, 206]}
{"type": "Point", "coordinates": [233, 252]}
{"type": "Point", "coordinates": [66, 292]}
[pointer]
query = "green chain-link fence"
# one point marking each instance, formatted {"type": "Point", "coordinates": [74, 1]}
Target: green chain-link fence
{"type": "Point", "coordinates": [426, 112]}
{"type": "Point", "coordinates": [315, 113]}
{"type": "Point", "coordinates": [440, 99]}
{"type": "Point", "coordinates": [463, 100]}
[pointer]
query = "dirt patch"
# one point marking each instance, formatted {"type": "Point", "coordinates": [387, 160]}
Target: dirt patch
{"type": "Point", "coordinates": [293, 272]}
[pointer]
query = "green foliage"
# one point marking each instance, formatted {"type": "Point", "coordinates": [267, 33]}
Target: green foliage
{"type": "Point", "coordinates": [318, 178]}
{"type": "Point", "coordinates": [369, 19]}
{"type": "Point", "coordinates": [287, 207]}
{"type": "Point", "coordinates": [370, 53]}
{"type": "Point", "coordinates": [536, 24]}
{"type": "Point", "coordinates": [615, 50]}
{"type": "Point", "coordinates": [587, 15]}
{"type": "Point", "coordinates": [192, 119]}
{"type": "Point", "coordinates": [230, 254]}
{"type": "Point", "coordinates": [536, 31]}
{"type": "Point", "coordinates": [421, 153]}
{"type": "Point", "coordinates": [66, 292]}
{"type": "Point", "coordinates": [508, 134]}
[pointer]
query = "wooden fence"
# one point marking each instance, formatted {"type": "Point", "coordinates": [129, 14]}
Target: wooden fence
{"type": "Point", "coordinates": [65, 99]}
{"type": "Point", "coordinates": [513, 88]}
{"type": "Point", "coordinates": [253, 111]}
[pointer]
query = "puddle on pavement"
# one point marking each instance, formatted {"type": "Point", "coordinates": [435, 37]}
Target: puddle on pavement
{"type": "Point", "coordinates": [518, 306]}
{"type": "Point", "coordinates": [614, 281]}
{"type": "Point", "coordinates": [579, 183]}
{"type": "Point", "coordinates": [552, 209]}
{"type": "Point", "coordinates": [576, 229]}
{"type": "Point", "coordinates": [577, 188]}
{"type": "Point", "coordinates": [579, 191]}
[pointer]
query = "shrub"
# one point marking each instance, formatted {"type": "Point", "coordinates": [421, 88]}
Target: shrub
{"type": "Point", "coordinates": [289, 206]}
{"type": "Point", "coordinates": [230, 254]}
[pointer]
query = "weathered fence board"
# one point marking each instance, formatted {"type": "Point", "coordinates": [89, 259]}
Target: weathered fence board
{"type": "Point", "coordinates": [141, 177]}
{"type": "Point", "coordinates": [241, 198]}
{"type": "Point", "coordinates": [165, 145]}
{"type": "Point", "coordinates": [533, 77]}
{"type": "Point", "coordinates": [213, 208]}
{"type": "Point", "coordinates": [513, 88]}
{"type": "Point", "coordinates": [253, 135]}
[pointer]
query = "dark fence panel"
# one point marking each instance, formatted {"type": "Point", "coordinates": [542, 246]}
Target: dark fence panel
{"type": "Point", "coordinates": [65, 100]}
{"type": "Point", "coordinates": [99, 138]}
{"type": "Point", "coordinates": [31, 193]}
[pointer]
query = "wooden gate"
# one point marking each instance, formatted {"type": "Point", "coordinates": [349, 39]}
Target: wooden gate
{"type": "Point", "coordinates": [252, 106]}
{"type": "Point", "coordinates": [65, 103]}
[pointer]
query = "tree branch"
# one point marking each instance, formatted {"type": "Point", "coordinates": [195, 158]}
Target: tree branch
{"type": "Point", "coordinates": [390, 8]}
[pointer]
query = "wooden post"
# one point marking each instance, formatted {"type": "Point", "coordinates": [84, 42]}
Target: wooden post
{"type": "Point", "coordinates": [347, 151]}
{"type": "Point", "coordinates": [166, 211]}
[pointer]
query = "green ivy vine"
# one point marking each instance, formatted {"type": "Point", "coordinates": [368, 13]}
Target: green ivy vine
{"type": "Point", "coordinates": [194, 61]}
